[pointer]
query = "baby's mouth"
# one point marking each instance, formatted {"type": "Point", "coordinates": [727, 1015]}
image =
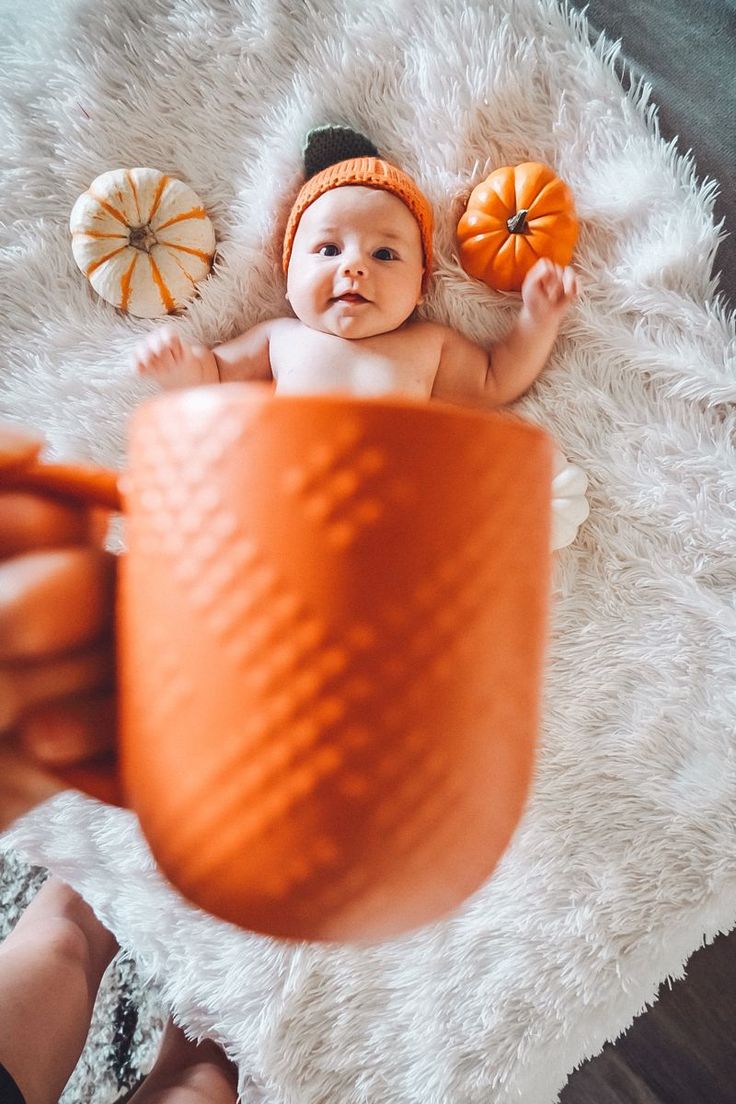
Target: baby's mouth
{"type": "Point", "coordinates": [350, 297]}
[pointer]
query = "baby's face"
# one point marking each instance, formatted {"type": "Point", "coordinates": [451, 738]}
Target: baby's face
{"type": "Point", "coordinates": [356, 264]}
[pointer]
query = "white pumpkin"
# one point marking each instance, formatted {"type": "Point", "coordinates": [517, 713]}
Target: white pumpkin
{"type": "Point", "coordinates": [570, 507]}
{"type": "Point", "coordinates": [142, 239]}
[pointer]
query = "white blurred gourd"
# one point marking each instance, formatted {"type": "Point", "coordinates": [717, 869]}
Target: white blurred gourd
{"type": "Point", "coordinates": [570, 507]}
{"type": "Point", "coordinates": [142, 239]}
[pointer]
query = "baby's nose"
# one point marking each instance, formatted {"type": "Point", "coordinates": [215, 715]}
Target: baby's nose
{"type": "Point", "coordinates": [353, 265]}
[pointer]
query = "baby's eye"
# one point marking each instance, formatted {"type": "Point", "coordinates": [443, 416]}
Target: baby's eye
{"type": "Point", "coordinates": [385, 254]}
{"type": "Point", "coordinates": [328, 250]}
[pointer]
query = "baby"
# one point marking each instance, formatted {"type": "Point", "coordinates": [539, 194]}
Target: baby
{"type": "Point", "coordinates": [357, 256]}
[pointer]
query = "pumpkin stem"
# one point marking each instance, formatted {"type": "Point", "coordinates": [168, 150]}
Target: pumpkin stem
{"type": "Point", "coordinates": [518, 224]}
{"type": "Point", "coordinates": [143, 237]}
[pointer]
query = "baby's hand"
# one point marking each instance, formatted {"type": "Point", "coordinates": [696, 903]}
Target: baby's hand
{"type": "Point", "coordinates": [548, 290]}
{"type": "Point", "coordinates": [172, 362]}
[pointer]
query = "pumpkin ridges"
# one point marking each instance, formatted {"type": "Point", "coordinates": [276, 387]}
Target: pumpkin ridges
{"type": "Point", "coordinates": [548, 245]}
{"type": "Point", "coordinates": [189, 277]}
{"type": "Point", "coordinates": [182, 262]}
{"type": "Point", "coordinates": [556, 191]}
{"type": "Point", "coordinates": [178, 275]}
{"type": "Point", "coordinates": [504, 263]}
{"type": "Point", "coordinates": [109, 208]}
{"type": "Point", "coordinates": [195, 213]}
{"type": "Point", "coordinates": [524, 252]}
{"type": "Point", "coordinates": [551, 245]}
{"type": "Point", "coordinates": [491, 233]}
{"type": "Point", "coordinates": [166, 298]}
{"type": "Point", "coordinates": [489, 246]}
{"type": "Point", "coordinates": [185, 249]}
{"type": "Point", "coordinates": [504, 187]}
{"type": "Point", "coordinates": [157, 197]}
{"type": "Point", "coordinates": [101, 260]}
{"type": "Point", "coordinates": [123, 200]}
{"type": "Point", "coordinates": [127, 281]}
{"type": "Point", "coordinates": [96, 234]}
{"type": "Point", "coordinates": [88, 215]}
{"type": "Point", "coordinates": [549, 223]}
{"type": "Point", "coordinates": [491, 201]}
{"type": "Point", "coordinates": [195, 234]}
{"type": "Point", "coordinates": [530, 179]}
{"type": "Point", "coordinates": [479, 222]}
{"type": "Point", "coordinates": [538, 200]}
{"type": "Point", "coordinates": [134, 190]}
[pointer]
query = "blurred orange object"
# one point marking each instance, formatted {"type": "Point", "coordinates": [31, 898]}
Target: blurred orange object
{"type": "Point", "coordinates": [332, 625]}
{"type": "Point", "coordinates": [95, 486]}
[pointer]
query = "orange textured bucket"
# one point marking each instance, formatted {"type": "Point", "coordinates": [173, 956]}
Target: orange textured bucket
{"type": "Point", "coordinates": [332, 625]}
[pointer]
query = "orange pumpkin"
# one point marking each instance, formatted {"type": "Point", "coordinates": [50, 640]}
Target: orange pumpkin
{"type": "Point", "coordinates": [517, 215]}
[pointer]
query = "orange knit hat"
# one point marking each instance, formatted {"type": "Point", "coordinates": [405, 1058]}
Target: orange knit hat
{"type": "Point", "coordinates": [336, 157]}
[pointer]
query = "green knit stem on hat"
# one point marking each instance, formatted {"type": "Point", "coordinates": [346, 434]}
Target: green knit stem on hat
{"type": "Point", "coordinates": [328, 145]}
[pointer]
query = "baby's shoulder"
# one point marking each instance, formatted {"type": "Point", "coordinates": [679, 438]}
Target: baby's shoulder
{"type": "Point", "coordinates": [424, 331]}
{"type": "Point", "coordinates": [285, 325]}
{"type": "Point", "coordinates": [431, 329]}
{"type": "Point", "coordinates": [285, 334]}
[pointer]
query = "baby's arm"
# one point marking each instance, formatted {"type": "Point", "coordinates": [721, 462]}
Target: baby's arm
{"type": "Point", "coordinates": [175, 362]}
{"type": "Point", "coordinates": [468, 373]}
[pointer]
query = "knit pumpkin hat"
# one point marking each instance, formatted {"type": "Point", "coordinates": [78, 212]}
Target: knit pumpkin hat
{"type": "Point", "coordinates": [335, 157]}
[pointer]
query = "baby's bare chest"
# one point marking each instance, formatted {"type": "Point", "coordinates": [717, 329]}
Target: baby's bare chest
{"type": "Point", "coordinates": [306, 361]}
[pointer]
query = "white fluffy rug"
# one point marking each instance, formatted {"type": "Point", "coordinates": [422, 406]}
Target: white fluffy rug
{"type": "Point", "coordinates": [626, 859]}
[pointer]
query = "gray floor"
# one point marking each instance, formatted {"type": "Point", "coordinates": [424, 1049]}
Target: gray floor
{"type": "Point", "coordinates": [683, 1051]}
{"type": "Point", "coordinates": [687, 51]}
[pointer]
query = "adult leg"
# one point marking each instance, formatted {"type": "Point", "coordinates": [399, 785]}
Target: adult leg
{"type": "Point", "coordinates": [188, 1073]}
{"type": "Point", "coordinates": [51, 966]}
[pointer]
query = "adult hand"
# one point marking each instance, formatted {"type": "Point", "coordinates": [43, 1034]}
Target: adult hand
{"type": "Point", "coordinates": [56, 646]}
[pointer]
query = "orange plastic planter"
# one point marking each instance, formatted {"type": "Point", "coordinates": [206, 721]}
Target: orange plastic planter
{"type": "Point", "coordinates": [332, 625]}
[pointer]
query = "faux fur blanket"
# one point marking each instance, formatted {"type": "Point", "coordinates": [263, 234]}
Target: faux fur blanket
{"type": "Point", "coordinates": [626, 858]}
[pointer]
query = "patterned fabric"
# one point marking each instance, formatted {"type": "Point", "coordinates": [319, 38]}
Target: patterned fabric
{"type": "Point", "coordinates": [125, 1021]}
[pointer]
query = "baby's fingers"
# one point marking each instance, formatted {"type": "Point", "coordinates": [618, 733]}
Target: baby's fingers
{"type": "Point", "coordinates": [569, 283]}
{"type": "Point", "coordinates": [144, 356]}
{"type": "Point", "coordinates": [168, 347]}
{"type": "Point", "coordinates": [559, 284]}
{"type": "Point", "coordinates": [159, 350]}
{"type": "Point", "coordinates": [544, 277]}
{"type": "Point", "coordinates": [552, 282]}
